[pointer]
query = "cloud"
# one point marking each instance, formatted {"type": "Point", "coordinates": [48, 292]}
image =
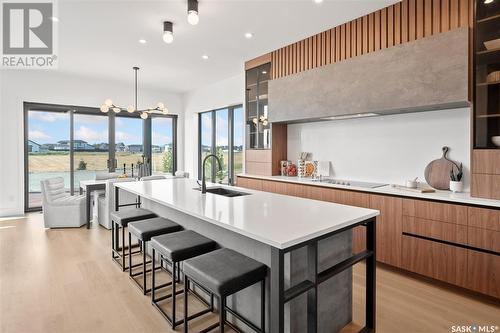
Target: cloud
{"type": "Point", "coordinates": [87, 134]}
{"type": "Point", "coordinates": [160, 139]}
{"type": "Point", "coordinates": [48, 117]}
{"type": "Point", "coordinates": [89, 119]}
{"type": "Point", "coordinates": [38, 135]}
{"type": "Point", "coordinates": [127, 138]}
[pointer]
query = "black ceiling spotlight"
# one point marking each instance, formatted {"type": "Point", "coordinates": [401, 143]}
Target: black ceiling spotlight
{"type": "Point", "coordinates": [168, 32]}
{"type": "Point", "coordinates": [193, 17]}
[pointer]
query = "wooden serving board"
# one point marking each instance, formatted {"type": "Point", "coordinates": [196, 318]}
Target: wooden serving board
{"type": "Point", "coordinates": [437, 172]}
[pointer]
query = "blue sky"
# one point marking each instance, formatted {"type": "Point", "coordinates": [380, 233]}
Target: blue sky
{"type": "Point", "coordinates": [221, 121]}
{"type": "Point", "coordinates": [50, 127]}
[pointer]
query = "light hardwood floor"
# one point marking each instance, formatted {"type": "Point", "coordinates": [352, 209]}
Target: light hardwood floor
{"type": "Point", "coordinates": [64, 281]}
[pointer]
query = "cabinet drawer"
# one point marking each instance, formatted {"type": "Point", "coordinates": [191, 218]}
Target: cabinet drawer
{"type": "Point", "coordinates": [258, 155]}
{"type": "Point", "coordinates": [251, 183]}
{"type": "Point", "coordinates": [439, 261]}
{"type": "Point", "coordinates": [484, 218]}
{"type": "Point", "coordinates": [483, 273]}
{"type": "Point", "coordinates": [436, 211]}
{"type": "Point", "coordinates": [449, 232]}
{"type": "Point", "coordinates": [484, 239]}
{"type": "Point", "coordinates": [486, 186]}
{"type": "Point", "coordinates": [258, 168]}
{"type": "Point", "coordinates": [486, 161]}
{"type": "Point", "coordinates": [274, 187]}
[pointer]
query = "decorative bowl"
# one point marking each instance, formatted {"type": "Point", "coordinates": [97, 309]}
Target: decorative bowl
{"type": "Point", "coordinates": [496, 140]}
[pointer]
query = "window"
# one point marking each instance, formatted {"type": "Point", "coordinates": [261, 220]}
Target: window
{"type": "Point", "coordinates": [221, 132]}
{"type": "Point", "coordinates": [77, 142]}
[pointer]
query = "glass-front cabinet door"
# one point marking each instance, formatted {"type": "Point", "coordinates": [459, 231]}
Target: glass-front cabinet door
{"type": "Point", "coordinates": [257, 124]}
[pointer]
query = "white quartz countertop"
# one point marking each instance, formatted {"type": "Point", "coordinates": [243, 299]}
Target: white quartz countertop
{"type": "Point", "coordinates": [447, 196]}
{"type": "Point", "coordinates": [277, 220]}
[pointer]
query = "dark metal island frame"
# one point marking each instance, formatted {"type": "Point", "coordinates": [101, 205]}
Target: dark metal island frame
{"type": "Point", "coordinates": [306, 245]}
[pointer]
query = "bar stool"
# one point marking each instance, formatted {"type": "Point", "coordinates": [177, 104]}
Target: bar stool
{"type": "Point", "coordinates": [143, 231]}
{"type": "Point", "coordinates": [224, 272]}
{"type": "Point", "coordinates": [120, 219]}
{"type": "Point", "coordinates": [173, 249]}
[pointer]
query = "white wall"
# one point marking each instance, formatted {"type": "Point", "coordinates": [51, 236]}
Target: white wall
{"type": "Point", "coordinates": [388, 149]}
{"type": "Point", "coordinates": [52, 87]}
{"type": "Point", "coordinates": [223, 93]}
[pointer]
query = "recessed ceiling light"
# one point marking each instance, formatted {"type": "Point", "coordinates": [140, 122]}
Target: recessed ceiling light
{"type": "Point", "coordinates": [264, 72]}
{"type": "Point", "coordinates": [204, 57]}
{"type": "Point", "coordinates": [318, 1]}
{"type": "Point", "coordinates": [54, 19]}
{"type": "Point", "coordinates": [248, 35]}
{"type": "Point", "coordinates": [142, 41]}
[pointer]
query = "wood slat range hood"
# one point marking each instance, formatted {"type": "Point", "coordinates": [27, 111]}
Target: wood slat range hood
{"type": "Point", "coordinates": [422, 75]}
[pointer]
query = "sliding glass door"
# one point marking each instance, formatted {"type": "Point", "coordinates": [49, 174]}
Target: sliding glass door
{"type": "Point", "coordinates": [90, 146]}
{"type": "Point", "coordinates": [47, 152]}
{"type": "Point", "coordinates": [221, 133]}
{"type": "Point", "coordinates": [77, 142]}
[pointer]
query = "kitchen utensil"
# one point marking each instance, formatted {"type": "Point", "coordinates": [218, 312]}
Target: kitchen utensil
{"type": "Point", "coordinates": [492, 44]}
{"type": "Point", "coordinates": [496, 140]}
{"type": "Point", "coordinates": [416, 190]}
{"type": "Point", "coordinates": [437, 172]}
{"type": "Point", "coordinates": [301, 168]}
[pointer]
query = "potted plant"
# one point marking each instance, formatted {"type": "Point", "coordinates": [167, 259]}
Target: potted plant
{"type": "Point", "coordinates": [456, 184]}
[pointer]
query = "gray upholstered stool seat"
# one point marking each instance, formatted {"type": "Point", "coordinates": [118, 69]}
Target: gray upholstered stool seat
{"type": "Point", "coordinates": [143, 230]}
{"type": "Point", "coordinates": [123, 217]}
{"type": "Point", "coordinates": [182, 245]}
{"type": "Point", "coordinates": [224, 272]}
{"type": "Point", "coordinates": [174, 248]}
{"type": "Point", "coordinates": [120, 219]}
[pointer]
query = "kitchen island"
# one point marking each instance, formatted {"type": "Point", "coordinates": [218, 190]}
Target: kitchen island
{"type": "Point", "coordinates": [306, 245]}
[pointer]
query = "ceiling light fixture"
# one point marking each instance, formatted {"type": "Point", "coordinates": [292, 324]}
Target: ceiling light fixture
{"type": "Point", "coordinates": [109, 105]}
{"type": "Point", "coordinates": [168, 32]}
{"type": "Point", "coordinates": [248, 35]}
{"type": "Point", "coordinates": [205, 57]}
{"type": "Point", "coordinates": [54, 19]}
{"type": "Point", "coordinates": [488, 1]}
{"type": "Point", "coordinates": [352, 116]}
{"type": "Point", "coordinates": [318, 1]}
{"type": "Point", "coordinates": [142, 41]}
{"type": "Point", "coordinates": [193, 17]}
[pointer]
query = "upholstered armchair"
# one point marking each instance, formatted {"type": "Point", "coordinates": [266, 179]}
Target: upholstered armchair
{"type": "Point", "coordinates": [60, 209]}
{"type": "Point", "coordinates": [106, 203]}
{"type": "Point", "coordinates": [155, 177]}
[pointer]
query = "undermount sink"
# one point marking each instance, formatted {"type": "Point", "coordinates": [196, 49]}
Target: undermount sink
{"type": "Point", "coordinates": [225, 192]}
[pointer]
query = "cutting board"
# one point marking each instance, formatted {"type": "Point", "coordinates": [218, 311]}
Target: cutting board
{"type": "Point", "coordinates": [437, 172]}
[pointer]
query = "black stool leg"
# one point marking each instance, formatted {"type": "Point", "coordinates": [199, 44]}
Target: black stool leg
{"type": "Point", "coordinates": [129, 256]}
{"type": "Point", "coordinates": [186, 283]}
{"type": "Point", "coordinates": [123, 249]}
{"type": "Point", "coordinates": [144, 267]}
{"type": "Point", "coordinates": [112, 239]}
{"type": "Point", "coordinates": [174, 282]}
{"type": "Point", "coordinates": [263, 306]}
{"type": "Point", "coordinates": [153, 268]}
{"type": "Point", "coordinates": [222, 312]}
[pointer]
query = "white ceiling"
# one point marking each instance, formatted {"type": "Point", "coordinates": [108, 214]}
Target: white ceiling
{"type": "Point", "coordinates": [99, 39]}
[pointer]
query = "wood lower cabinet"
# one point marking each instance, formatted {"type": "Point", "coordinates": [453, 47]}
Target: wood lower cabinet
{"type": "Point", "coordinates": [430, 238]}
{"type": "Point", "coordinates": [439, 261]}
{"type": "Point", "coordinates": [389, 228]}
{"type": "Point", "coordinates": [483, 273]}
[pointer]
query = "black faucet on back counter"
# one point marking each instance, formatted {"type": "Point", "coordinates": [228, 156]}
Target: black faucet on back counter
{"type": "Point", "coordinates": [203, 183]}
